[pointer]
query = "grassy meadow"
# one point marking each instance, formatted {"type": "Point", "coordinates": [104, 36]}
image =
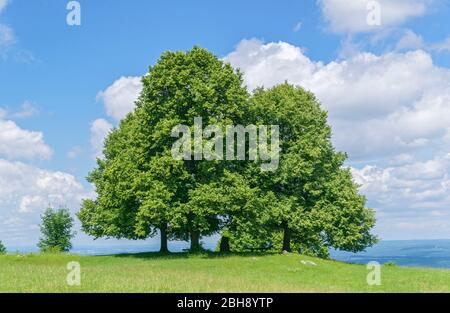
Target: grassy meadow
{"type": "Point", "coordinates": [208, 272]}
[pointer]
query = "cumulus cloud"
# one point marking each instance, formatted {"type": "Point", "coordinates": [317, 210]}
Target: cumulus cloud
{"type": "Point", "coordinates": [410, 41]}
{"type": "Point", "coordinates": [377, 104]}
{"type": "Point", "coordinates": [119, 98]}
{"type": "Point", "coordinates": [411, 198]}
{"type": "Point", "coordinates": [343, 16]}
{"type": "Point", "coordinates": [416, 184]}
{"type": "Point", "coordinates": [100, 128]}
{"type": "Point", "coordinates": [26, 191]}
{"type": "Point", "coordinates": [283, 60]}
{"type": "Point", "coordinates": [391, 111]}
{"type": "Point", "coordinates": [443, 46]}
{"type": "Point", "coordinates": [17, 143]}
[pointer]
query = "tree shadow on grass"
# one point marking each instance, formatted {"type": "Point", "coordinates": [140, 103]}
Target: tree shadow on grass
{"type": "Point", "coordinates": [187, 255]}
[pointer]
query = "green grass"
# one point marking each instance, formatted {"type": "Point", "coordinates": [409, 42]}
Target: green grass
{"type": "Point", "coordinates": [208, 272]}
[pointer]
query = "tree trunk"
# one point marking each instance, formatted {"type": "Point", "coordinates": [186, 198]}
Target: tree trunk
{"type": "Point", "coordinates": [163, 231]}
{"type": "Point", "coordinates": [225, 244]}
{"type": "Point", "coordinates": [195, 241]}
{"type": "Point", "coordinates": [286, 238]}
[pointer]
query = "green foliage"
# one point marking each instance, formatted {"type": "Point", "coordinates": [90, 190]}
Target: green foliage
{"type": "Point", "coordinates": [242, 210]}
{"type": "Point", "coordinates": [56, 230]}
{"type": "Point", "coordinates": [308, 205]}
{"type": "Point", "coordinates": [316, 204]}
{"type": "Point", "coordinates": [390, 264]}
{"type": "Point", "coordinates": [141, 188]}
{"type": "Point", "coordinates": [2, 248]}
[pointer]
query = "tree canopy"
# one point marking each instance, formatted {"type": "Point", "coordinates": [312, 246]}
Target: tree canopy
{"type": "Point", "coordinates": [317, 203]}
{"type": "Point", "coordinates": [141, 187]}
{"type": "Point", "coordinates": [56, 230]}
{"type": "Point", "coordinates": [308, 203]}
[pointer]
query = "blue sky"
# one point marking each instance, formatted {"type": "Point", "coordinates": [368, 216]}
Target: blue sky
{"type": "Point", "coordinates": [386, 87]}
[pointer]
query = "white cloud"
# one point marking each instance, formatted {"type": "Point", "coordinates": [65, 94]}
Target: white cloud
{"type": "Point", "coordinates": [6, 36]}
{"type": "Point", "coordinates": [390, 110]}
{"type": "Point", "coordinates": [17, 143]}
{"type": "Point", "coordinates": [345, 16]}
{"type": "Point", "coordinates": [26, 191]}
{"type": "Point", "coordinates": [410, 41]}
{"type": "Point", "coordinates": [349, 48]}
{"type": "Point", "coordinates": [28, 109]}
{"type": "Point", "coordinates": [3, 4]}
{"type": "Point", "coordinates": [443, 46]}
{"type": "Point", "coordinates": [297, 27]}
{"type": "Point", "coordinates": [377, 104]}
{"type": "Point", "coordinates": [119, 98]}
{"type": "Point", "coordinates": [415, 184]}
{"type": "Point", "coordinates": [74, 153]}
{"type": "Point", "coordinates": [99, 130]}
{"type": "Point", "coordinates": [284, 61]}
{"type": "Point", "coordinates": [6, 33]}
{"type": "Point", "coordinates": [402, 159]}
{"type": "Point", "coordinates": [411, 198]}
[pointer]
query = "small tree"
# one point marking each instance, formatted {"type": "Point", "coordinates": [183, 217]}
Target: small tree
{"type": "Point", "coordinates": [2, 248]}
{"type": "Point", "coordinates": [56, 229]}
